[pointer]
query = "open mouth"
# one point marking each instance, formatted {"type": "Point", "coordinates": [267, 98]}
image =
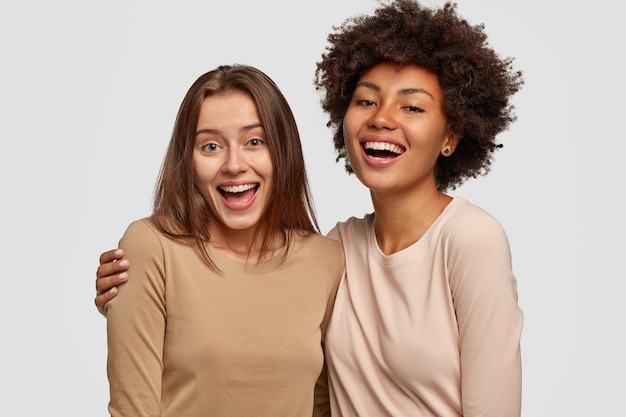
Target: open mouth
{"type": "Point", "coordinates": [382, 150]}
{"type": "Point", "coordinates": [239, 193]}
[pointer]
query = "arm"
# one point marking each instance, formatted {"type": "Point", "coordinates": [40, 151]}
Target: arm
{"type": "Point", "coordinates": [322, 402]}
{"type": "Point", "coordinates": [136, 328]}
{"type": "Point", "coordinates": [111, 272]}
{"type": "Point", "coordinates": [489, 318]}
{"type": "Point", "coordinates": [322, 389]}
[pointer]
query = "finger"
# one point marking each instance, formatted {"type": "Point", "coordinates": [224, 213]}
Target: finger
{"type": "Point", "coordinates": [111, 255]}
{"type": "Point", "coordinates": [111, 268]}
{"type": "Point", "coordinates": [104, 284]}
{"type": "Point", "coordinates": [102, 299]}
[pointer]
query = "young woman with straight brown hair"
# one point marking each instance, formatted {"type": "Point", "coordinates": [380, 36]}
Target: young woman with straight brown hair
{"type": "Point", "coordinates": [232, 284]}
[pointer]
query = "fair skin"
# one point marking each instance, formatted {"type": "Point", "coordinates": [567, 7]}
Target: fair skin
{"type": "Point", "coordinates": [233, 171]}
{"type": "Point", "coordinates": [394, 131]}
{"type": "Point", "coordinates": [394, 108]}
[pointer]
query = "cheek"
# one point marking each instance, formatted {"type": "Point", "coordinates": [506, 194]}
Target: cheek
{"type": "Point", "coordinates": [197, 173]}
{"type": "Point", "coordinates": [204, 175]}
{"type": "Point", "coordinates": [263, 165]}
{"type": "Point", "coordinates": [349, 135]}
{"type": "Point", "coordinates": [349, 124]}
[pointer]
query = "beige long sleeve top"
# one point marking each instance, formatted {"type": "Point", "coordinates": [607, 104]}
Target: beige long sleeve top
{"type": "Point", "coordinates": [184, 340]}
{"type": "Point", "coordinates": [433, 330]}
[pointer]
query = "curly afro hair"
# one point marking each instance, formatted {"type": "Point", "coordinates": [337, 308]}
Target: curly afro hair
{"type": "Point", "coordinates": [476, 82]}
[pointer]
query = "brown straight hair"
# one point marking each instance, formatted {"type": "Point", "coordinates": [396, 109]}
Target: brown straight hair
{"type": "Point", "coordinates": [180, 211]}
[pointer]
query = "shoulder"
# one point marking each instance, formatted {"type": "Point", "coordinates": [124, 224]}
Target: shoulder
{"type": "Point", "coordinates": [318, 243]}
{"type": "Point", "coordinates": [142, 235]}
{"type": "Point", "coordinates": [471, 228]}
{"type": "Point", "coordinates": [318, 249]}
{"type": "Point", "coordinates": [353, 226]}
{"type": "Point", "coordinates": [462, 217]}
{"type": "Point", "coordinates": [142, 226]}
{"type": "Point", "coordinates": [142, 229]}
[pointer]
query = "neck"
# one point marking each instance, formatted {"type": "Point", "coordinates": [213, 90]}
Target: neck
{"type": "Point", "coordinates": [401, 220]}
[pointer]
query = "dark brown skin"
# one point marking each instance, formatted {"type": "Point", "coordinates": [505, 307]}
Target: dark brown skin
{"type": "Point", "coordinates": [111, 272]}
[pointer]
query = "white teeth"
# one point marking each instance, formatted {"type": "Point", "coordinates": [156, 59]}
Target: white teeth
{"type": "Point", "coordinates": [383, 146]}
{"type": "Point", "coordinates": [237, 188]}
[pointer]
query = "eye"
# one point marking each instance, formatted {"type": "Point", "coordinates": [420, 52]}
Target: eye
{"type": "Point", "coordinates": [255, 142]}
{"type": "Point", "coordinates": [414, 109]}
{"type": "Point", "coordinates": [210, 147]}
{"type": "Point", "coordinates": [364, 102]}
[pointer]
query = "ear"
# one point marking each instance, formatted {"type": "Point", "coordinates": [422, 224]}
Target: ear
{"type": "Point", "coordinates": [450, 143]}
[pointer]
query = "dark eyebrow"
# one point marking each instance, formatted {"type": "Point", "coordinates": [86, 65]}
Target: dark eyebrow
{"type": "Point", "coordinates": [403, 91]}
{"type": "Point", "coordinates": [406, 91]}
{"type": "Point", "coordinates": [216, 132]}
{"type": "Point", "coordinates": [369, 85]}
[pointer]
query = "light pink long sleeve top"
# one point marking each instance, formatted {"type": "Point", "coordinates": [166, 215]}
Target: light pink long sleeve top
{"type": "Point", "coordinates": [432, 330]}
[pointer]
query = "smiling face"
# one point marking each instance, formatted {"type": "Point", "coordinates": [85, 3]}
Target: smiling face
{"type": "Point", "coordinates": [395, 129]}
{"type": "Point", "coordinates": [231, 162]}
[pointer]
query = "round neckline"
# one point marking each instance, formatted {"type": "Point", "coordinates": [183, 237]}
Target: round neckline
{"type": "Point", "coordinates": [226, 263]}
{"type": "Point", "coordinates": [405, 254]}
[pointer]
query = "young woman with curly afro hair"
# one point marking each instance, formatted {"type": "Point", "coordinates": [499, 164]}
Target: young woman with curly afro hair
{"type": "Point", "coordinates": [426, 320]}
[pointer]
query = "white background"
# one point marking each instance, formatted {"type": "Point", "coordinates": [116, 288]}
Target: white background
{"type": "Point", "coordinates": [88, 95]}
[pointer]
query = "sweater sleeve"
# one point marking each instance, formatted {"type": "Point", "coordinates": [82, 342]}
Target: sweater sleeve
{"type": "Point", "coordinates": [136, 328]}
{"type": "Point", "coordinates": [490, 321]}
{"type": "Point", "coordinates": [322, 400]}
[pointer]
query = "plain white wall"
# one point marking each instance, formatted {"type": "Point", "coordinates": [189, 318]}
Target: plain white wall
{"type": "Point", "coordinates": [88, 95]}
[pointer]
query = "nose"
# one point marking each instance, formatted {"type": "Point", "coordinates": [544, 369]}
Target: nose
{"type": "Point", "coordinates": [235, 162]}
{"type": "Point", "coordinates": [382, 117]}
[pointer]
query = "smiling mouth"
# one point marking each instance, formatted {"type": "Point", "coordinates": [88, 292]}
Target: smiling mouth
{"type": "Point", "coordinates": [239, 193]}
{"type": "Point", "coordinates": [382, 150]}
